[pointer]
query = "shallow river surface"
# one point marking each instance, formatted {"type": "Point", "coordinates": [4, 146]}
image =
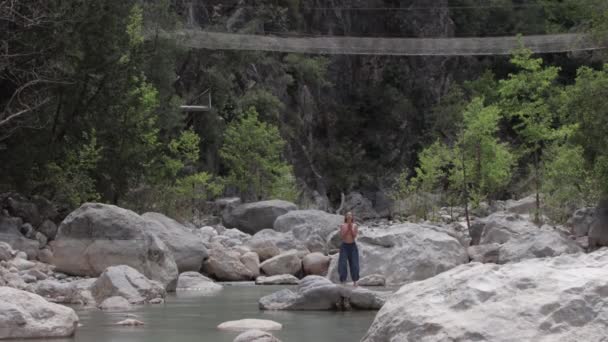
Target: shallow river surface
{"type": "Point", "coordinates": [188, 317]}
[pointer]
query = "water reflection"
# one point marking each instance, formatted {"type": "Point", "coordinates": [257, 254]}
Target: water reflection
{"type": "Point", "coordinates": [191, 316]}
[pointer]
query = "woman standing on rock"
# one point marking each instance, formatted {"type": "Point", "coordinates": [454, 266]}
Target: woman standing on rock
{"type": "Point", "coordinates": [348, 250]}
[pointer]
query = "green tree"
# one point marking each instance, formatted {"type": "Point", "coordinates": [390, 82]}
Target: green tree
{"type": "Point", "coordinates": [585, 106]}
{"type": "Point", "coordinates": [568, 182]}
{"type": "Point", "coordinates": [527, 101]}
{"type": "Point", "coordinates": [252, 154]}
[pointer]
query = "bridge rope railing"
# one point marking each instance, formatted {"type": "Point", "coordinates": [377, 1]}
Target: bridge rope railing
{"type": "Point", "coordinates": [457, 46]}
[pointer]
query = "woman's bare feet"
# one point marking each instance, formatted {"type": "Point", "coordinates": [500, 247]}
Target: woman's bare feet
{"type": "Point", "coordinates": [355, 284]}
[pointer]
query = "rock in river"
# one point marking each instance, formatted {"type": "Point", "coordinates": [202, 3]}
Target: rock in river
{"type": "Point", "coordinates": [27, 315]}
{"type": "Point", "coordinates": [187, 248]}
{"type": "Point", "coordinates": [126, 282]}
{"type": "Point", "coordinates": [97, 236]}
{"type": "Point", "coordinates": [318, 293]}
{"type": "Point", "coordinates": [250, 323]}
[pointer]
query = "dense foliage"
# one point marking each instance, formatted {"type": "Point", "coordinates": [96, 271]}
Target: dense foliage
{"type": "Point", "coordinates": [91, 93]}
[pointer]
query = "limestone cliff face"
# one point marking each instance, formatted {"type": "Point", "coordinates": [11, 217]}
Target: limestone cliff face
{"type": "Point", "coordinates": [367, 122]}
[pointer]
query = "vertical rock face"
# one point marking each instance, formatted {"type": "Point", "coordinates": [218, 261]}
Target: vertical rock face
{"type": "Point", "coordinates": [187, 248]}
{"type": "Point", "coordinates": [97, 236]}
{"type": "Point", "coordinates": [550, 299]}
{"type": "Point", "coordinates": [27, 315]}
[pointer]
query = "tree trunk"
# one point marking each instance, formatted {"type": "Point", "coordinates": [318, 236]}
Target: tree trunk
{"type": "Point", "coordinates": [465, 192]}
{"type": "Point", "coordinates": [537, 185]}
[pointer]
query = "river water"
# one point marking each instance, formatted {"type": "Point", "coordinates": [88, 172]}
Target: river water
{"type": "Point", "coordinates": [189, 317]}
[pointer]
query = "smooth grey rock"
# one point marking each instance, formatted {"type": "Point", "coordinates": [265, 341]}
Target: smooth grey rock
{"type": "Point", "coordinates": [536, 244]}
{"type": "Point", "coordinates": [74, 292]}
{"type": "Point", "coordinates": [188, 251]}
{"type": "Point", "coordinates": [361, 207]}
{"type": "Point", "coordinates": [269, 243]}
{"type": "Point", "coordinates": [252, 262]}
{"type": "Point", "coordinates": [281, 279]}
{"type": "Point", "coordinates": [256, 335]}
{"type": "Point", "coordinates": [97, 236]}
{"type": "Point", "coordinates": [224, 264]}
{"type": "Point", "coordinates": [500, 227]}
{"type": "Point", "coordinates": [310, 226]}
{"type": "Point", "coordinates": [318, 293]}
{"type": "Point", "coordinates": [285, 263]}
{"type": "Point", "coordinates": [130, 322]}
{"type": "Point", "coordinates": [19, 206]}
{"type": "Point", "coordinates": [41, 238]}
{"type": "Point", "coordinates": [48, 228]}
{"type": "Point", "coordinates": [523, 206]}
{"type": "Point", "coordinates": [194, 281]}
{"type": "Point", "coordinates": [372, 280]}
{"type": "Point", "coordinates": [581, 221]}
{"type": "Point", "coordinates": [487, 253]}
{"type": "Point", "coordinates": [405, 252]}
{"type": "Point", "coordinates": [27, 315]}
{"type": "Point", "coordinates": [549, 299]}
{"type": "Point", "coordinates": [11, 234]}
{"type": "Point", "coordinates": [22, 264]}
{"type": "Point", "coordinates": [316, 264]}
{"type": "Point", "coordinates": [115, 303]}
{"type": "Point", "coordinates": [206, 233]}
{"type": "Point", "coordinates": [6, 251]}
{"type": "Point", "coordinates": [253, 217]}
{"type": "Point", "coordinates": [249, 324]}
{"type": "Point", "coordinates": [126, 282]}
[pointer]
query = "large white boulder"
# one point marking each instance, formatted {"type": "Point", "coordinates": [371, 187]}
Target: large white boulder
{"type": "Point", "coordinates": [124, 281]}
{"type": "Point", "coordinates": [269, 243]}
{"type": "Point", "coordinates": [97, 236]}
{"type": "Point", "coordinates": [310, 226]}
{"type": "Point", "coordinates": [225, 264]}
{"type": "Point", "coordinates": [549, 299]}
{"type": "Point", "coordinates": [194, 281]}
{"type": "Point", "coordinates": [253, 217]}
{"type": "Point", "coordinates": [285, 263]}
{"type": "Point", "coordinates": [540, 243]}
{"type": "Point", "coordinates": [187, 248]}
{"type": "Point", "coordinates": [316, 264]}
{"type": "Point", "coordinates": [405, 252]}
{"type": "Point", "coordinates": [73, 292]}
{"type": "Point", "coordinates": [27, 315]}
{"type": "Point", "coordinates": [501, 226]}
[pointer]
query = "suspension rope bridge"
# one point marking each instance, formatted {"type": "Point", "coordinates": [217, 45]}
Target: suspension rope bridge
{"type": "Point", "coordinates": [339, 45]}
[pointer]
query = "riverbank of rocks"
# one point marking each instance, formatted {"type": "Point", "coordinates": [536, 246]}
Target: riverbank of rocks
{"type": "Point", "coordinates": [112, 258]}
